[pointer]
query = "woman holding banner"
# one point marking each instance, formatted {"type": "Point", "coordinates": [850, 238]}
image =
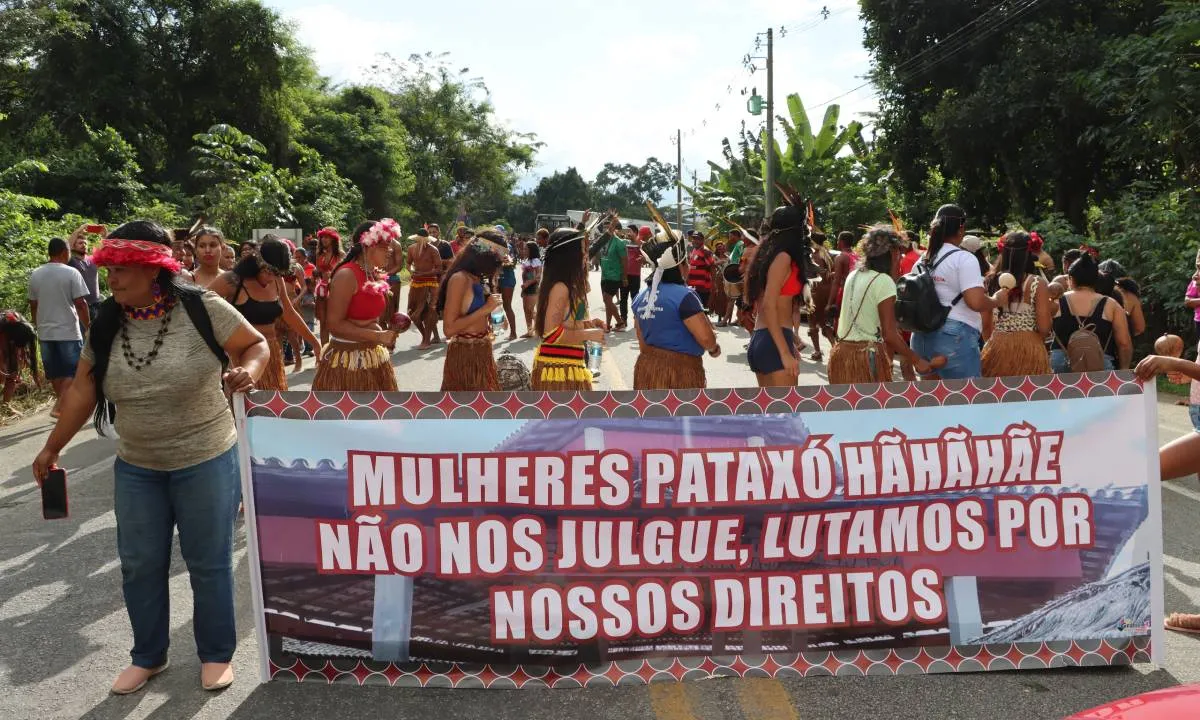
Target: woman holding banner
{"type": "Point", "coordinates": [358, 355]}
{"type": "Point", "coordinates": [176, 461]}
{"type": "Point", "coordinates": [560, 362]}
{"type": "Point", "coordinates": [673, 330]}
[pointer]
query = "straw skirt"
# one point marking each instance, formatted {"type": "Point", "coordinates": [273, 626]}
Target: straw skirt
{"type": "Point", "coordinates": [355, 367]}
{"type": "Point", "coordinates": [659, 369]}
{"type": "Point", "coordinates": [470, 365]}
{"type": "Point", "coordinates": [853, 362]}
{"type": "Point", "coordinates": [1009, 354]}
{"type": "Point", "coordinates": [274, 375]}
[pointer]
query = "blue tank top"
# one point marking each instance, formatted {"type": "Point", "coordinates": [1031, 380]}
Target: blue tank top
{"type": "Point", "coordinates": [476, 298]}
{"type": "Point", "coordinates": [664, 328]}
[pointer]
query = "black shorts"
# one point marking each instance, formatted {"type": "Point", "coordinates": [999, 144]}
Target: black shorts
{"type": "Point", "coordinates": [764, 356]}
{"type": "Point", "coordinates": [611, 287]}
{"type": "Point", "coordinates": [530, 291]}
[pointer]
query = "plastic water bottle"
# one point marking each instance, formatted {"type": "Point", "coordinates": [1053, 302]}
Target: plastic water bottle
{"type": "Point", "coordinates": [595, 352]}
{"type": "Point", "coordinates": [497, 319]}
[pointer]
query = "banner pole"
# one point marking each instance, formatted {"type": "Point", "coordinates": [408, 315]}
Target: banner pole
{"type": "Point", "coordinates": [251, 527]}
{"type": "Point", "coordinates": [1158, 634]}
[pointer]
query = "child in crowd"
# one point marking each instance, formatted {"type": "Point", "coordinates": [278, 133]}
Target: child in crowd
{"type": "Point", "coordinates": [308, 308]}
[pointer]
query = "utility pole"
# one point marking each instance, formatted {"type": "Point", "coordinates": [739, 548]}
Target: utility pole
{"type": "Point", "coordinates": [770, 146]}
{"type": "Point", "coordinates": [679, 179]}
{"type": "Point", "coordinates": [695, 183]}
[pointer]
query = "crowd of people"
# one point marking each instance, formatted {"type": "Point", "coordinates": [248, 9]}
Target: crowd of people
{"type": "Point", "coordinates": [197, 319]}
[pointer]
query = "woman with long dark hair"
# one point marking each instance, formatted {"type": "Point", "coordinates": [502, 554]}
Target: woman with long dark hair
{"type": "Point", "coordinates": [329, 258]}
{"type": "Point", "coordinates": [157, 353]}
{"type": "Point", "coordinates": [18, 350]}
{"type": "Point", "coordinates": [257, 289]}
{"type": "Point", "coordinates": [358, 356]}
{"type": "Point", "coordinates": [673, 330]}
{"type": "Point", "coordinates": [776, 278]}
{"type": "Point", "coordinates": [959, 284]}
{"type": "Point", "coordinates": [1127, 292]}
{"type": "Point", "coordinates": [210, 244]}
{"type": "Point", "coordinates": [531, 277]}
{"type": "Point", "coordinates": [562, 323]}
{"type": "Point", "coordinates": [466, 303]}
{"type": "Point", "coordinates": [867, 331]}
{"type": "Point", "coordinates": [1087, 305]}
{"type": "Point", "coordinates": [1016, 344]}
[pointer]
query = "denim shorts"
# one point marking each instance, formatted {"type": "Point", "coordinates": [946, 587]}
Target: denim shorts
{"type": "Point", "coordinates": [959, 343]}
{"type": "Point", "coordinates": [59, 357]}
{"type": "Point", "coordinates": [763, 355]}
{"type": "Point", "coordinates": [1194, 414]}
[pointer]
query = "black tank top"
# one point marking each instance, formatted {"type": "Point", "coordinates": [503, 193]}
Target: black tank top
{"type": "Point", "coordinates": [1066, 323]}
{"type": "Point", "coordinates": [257, 312]}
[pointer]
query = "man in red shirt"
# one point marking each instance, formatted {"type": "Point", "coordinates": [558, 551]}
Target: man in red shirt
{"type": "Point", "coordinates": [912, 252]}
{"type": "Point", "coordinates": [633, 268]}
{"type": "Point", "coordinates": [701, 262]}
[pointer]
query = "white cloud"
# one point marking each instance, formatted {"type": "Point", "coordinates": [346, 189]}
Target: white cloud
{"type": "Point", "coordinates": [345, 45]}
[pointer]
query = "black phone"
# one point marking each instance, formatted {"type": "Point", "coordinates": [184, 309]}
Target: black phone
{"type": "Point", "coordinates": [54, 495]}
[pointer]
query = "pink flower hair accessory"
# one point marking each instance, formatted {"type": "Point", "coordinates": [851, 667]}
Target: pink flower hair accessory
{"type": "Point", "coordinates": [383, 232]}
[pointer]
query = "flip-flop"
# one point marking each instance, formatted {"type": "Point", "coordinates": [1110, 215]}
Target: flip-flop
{"type": "Point", "coordinates": [1190, 626]}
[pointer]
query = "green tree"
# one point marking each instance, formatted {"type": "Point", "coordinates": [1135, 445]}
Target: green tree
{"type": "Point", "coordinates": [244, 190]}
{"type": "Point", "coordinates": [457, 151]}
{"type": "Point", "coordinates": [626, 188]}
{"type": "Point", "coordinates": [561, 192]}
{"type": "Point", "coordinates": [362, 135]}
{"type": "Point", "coordinates": [20, 244]}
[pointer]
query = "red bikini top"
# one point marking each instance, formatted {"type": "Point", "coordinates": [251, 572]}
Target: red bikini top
{"type": "Point", "coordinates": [794, 285]}
{"type": "Point", "coordinates": [369, 299]}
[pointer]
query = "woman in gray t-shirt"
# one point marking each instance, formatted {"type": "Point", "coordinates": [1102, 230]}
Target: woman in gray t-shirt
{"type": "Point", "coordinates": [176, 458]}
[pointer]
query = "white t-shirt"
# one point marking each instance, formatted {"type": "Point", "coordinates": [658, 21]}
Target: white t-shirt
{"type": "Point", "coordinates": [55, 287]}
{"type": "Point", "coordinates": [957, 274]}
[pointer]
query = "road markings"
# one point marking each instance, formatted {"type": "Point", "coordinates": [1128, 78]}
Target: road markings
{"type": "Point", "coordinates": [670, 701]}
{"type": "Point", "coordinates": [1179, 489]}
{"type": "Point", "coordinates": [764, 699]}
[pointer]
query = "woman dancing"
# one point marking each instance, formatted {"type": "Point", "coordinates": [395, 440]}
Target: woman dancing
{"type": "Point", "coordinates": [256, 288]}
{"type": "Point", "coordinates": [1017, 342]}
{"type": "Point", "coordinates": [467, 305]}
{"type": "Point", "coordinates": [560, 362]}
{"type": "Point", "coordinates": [329, 257]}
{"type": "Point", "coordinates": [776, 278]}
{"type": "Point", "coordinates": [673, 330]}
{"type": "Point", "coordinates": [508, 285]}
{"type": "Point", "coordinates": [358, 356]}
{"type": "Point", "coordinates": [868, 334]}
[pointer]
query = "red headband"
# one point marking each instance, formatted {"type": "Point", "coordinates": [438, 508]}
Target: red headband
{"type": "Point", "coordinates": [135, 252]}
{"type": "Point", "coordinates": [329, 232]}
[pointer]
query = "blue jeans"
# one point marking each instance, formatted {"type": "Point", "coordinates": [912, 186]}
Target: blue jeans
{"type": "Point", "coordinates": [59, 357]}
{"type": "Point", "coordinates": [956, 340]}
{"type": "Point", "coordinates": [1061, 365]}
{"type": "Point", "coordinates": [202, 500]}
{"type": "Point", "coordinates": [1194, 414]}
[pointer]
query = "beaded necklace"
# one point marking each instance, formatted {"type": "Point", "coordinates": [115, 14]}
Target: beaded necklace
{"type": "Point", "coordinates": [153, 311]}
{"type": "Point", "coordinates": [132, 359]}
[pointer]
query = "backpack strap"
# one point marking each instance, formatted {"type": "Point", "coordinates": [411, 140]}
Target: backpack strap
{"type": "Point", "coordinates": [198, 314]}
{"type": "Point", "coordinates": [957, 298]}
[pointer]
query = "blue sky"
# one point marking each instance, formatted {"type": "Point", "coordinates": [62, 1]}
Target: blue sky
{"type": "Point", "coordinates": [606, 82]}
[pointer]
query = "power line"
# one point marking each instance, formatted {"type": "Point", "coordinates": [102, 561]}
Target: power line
{"type": "Point", "coordinates": [948, 48]}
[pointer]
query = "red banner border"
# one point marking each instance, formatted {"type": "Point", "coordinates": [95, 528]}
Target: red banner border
{"type": "Point", "coordinates": [682, 403]}
{"type": "Point", "coordinates": [906, 661]}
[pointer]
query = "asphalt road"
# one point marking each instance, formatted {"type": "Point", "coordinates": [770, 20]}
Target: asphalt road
{"type": "Point", "coordinates": [64, 634]}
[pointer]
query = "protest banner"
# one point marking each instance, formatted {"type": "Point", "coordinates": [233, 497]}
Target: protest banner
{"type": "Point", "coordinates": [532, 540]}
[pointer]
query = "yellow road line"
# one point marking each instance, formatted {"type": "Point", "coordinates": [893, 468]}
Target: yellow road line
{"type": "Point", "coordinates": [764, 699]}
{"type": "Point", "coordinates": [670, 702]}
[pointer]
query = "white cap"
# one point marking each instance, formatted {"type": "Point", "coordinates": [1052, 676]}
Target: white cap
{"type": "Point", "coordinates": [971, 244]}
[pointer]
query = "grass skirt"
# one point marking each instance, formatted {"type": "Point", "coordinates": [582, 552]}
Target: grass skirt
{"type": "Point", "coordinates": [555, 375]}
{"type": "Point", "coordinates": [274, 375]}
{"type": "Point", "coordinates": [1010, 354]}
{"type": "Point", "coordinates": [351, 366]}
{"type": "Point", "coordinates": [718, 304]}
{"type": "Point", "coordinates": [420, 303]}
{"type": "Point", "coordinates": [659, 369]}
{"type": "Point", "coordinates": [850, 363]}
{"type": "Point", "coordinates": [470, 365]}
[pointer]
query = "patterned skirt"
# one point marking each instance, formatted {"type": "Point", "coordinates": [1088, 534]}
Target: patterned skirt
{"type": "Point", "coordinates": [561, 368]}
{"type": "Point", "coordinates": [352, 367]}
